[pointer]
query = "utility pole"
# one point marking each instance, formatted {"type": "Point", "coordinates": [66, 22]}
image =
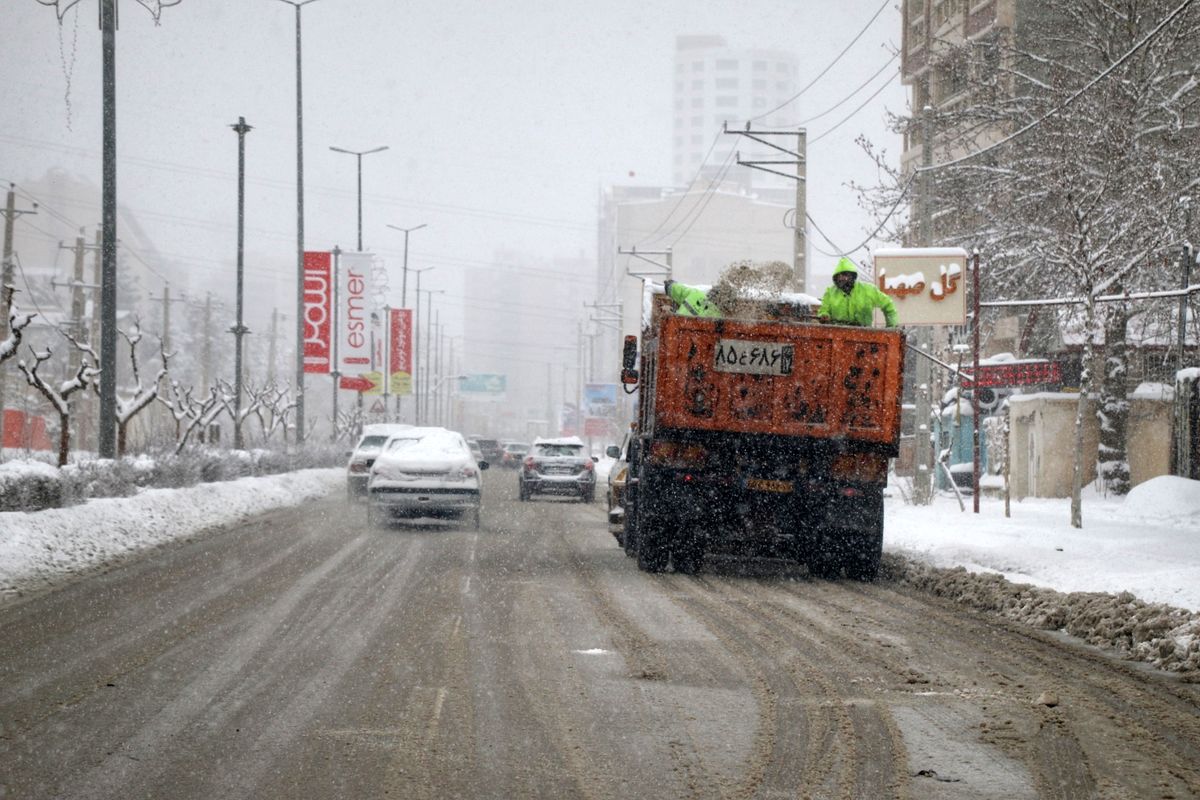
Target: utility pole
{"type": "Point", "coordinates": [207, 350]}
{"type": "Point", "coordinates": [11, 212]}
{"type": "Point", "coordinates": [1185, 268]}
{"type": "Point", "coordinates": [799, 160]}
{"type": "Point", "coordinates": [922, 452]}
{"type": "Point", "coordinates": [404, 275]}
{"type": "Point", "coordinates": [271, 346]}
{"type": "Point", "coordinates": [239, 329]}
{"type": "Point", "coordinates": [166, 301]}
{"type": "Point", "coordinates": [662, 270]}
{"type": "Point", "coordinates": [107, 432]}
{"type": "Point", "coordinates": [800, 262]}
{"type": "Point", "coordinates": [80, 329]}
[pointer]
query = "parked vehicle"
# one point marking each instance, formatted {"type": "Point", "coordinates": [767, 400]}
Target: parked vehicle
{"type": "Point", "coordinates": [358, 468]}
{"type": "Point", "coordinates": [557, 466]}
{"type": "Point", "coordinates": [513, 454]}
{"type": "Point", "coordinates": [490, 449]}
{"type": "Point", "coordinates": [766, 435]}
{"type": "Point", "coordinates": [618, 479]}
{"type": "Point", "coordinates": [425, 472]}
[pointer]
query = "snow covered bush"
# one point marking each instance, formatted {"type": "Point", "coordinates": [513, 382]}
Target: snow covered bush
{"type": "Point", "coordinates": [34, 485]}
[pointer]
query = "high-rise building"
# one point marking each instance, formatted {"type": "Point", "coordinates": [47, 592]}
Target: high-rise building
{"type": "Point", "coordinates": [717, 84]}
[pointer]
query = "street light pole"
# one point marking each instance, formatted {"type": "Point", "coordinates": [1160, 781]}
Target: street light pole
{"type": "Point", "coordinates": [298, 4]}
{"type": "Point", "coordinates": [404, 276]}
{"type": "Point", "coordinates": [358, 154]}
{"type": "Point", "coordinates": [239, 329]}
{"type": "Point", "coordinates": [416, 384]}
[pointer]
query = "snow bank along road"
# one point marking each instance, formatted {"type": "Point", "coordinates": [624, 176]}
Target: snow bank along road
{"type": "Point", "coordinates": [304, 655]}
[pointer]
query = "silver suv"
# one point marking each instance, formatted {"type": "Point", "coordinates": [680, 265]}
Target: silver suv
{"type": "Point", "coordinates": [557, 466]}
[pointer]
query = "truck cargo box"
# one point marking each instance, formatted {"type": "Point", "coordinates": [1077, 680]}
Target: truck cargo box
{"type": "Point", "coordinates": [775, 378]}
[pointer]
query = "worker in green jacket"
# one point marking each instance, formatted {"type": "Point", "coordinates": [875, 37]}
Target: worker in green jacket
{"type": "Point", "coordinates": [849, 302]}
{"type": "Point", "coordinates": [690, 301]}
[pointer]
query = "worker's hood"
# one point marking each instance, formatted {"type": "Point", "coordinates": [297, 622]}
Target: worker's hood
{"type": "Point", "coordinates": [845, 265]}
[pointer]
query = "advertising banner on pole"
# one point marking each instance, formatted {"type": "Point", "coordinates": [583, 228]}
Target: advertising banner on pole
{"type": "Point", "coordinates": [400, 351]}
{"type": "Point", "coordinates": [927, 284]}
{"type": "Point", "coordinates": [318, 313]}
{"type": "Point", "coordinates": [599, 409]}
{"type": "Point", "coordinates": [354, 354]}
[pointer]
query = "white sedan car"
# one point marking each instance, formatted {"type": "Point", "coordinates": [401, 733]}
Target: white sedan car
{"type": "Point", "coordinates": [424, 472]}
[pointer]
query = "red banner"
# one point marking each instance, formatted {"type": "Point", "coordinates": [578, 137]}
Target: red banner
{"type": "Point", "coordinates": [400, 359]}
{"type": "Point", "coordinates": [1017, 373]}
{"type": "Point", "coordinates": [318, 313]}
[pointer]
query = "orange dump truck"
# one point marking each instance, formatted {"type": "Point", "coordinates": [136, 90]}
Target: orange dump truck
{"type": "Point", "coordinates": [761, 436]}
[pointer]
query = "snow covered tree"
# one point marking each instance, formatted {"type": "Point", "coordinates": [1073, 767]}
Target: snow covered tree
{"type": "Point", "coordinates": [1061, 149]}
{"type": "Point", "coordinates": [59, 395]}
{"type": "Point", "coordinates": [142, 396]}
{"type": "Point", "coordinates": [17, 323]}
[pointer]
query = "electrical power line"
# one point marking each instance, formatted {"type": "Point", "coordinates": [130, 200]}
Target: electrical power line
{"type": "Point", "coordinates": [849, 116]}
{"type": "Point", "coordinates": [830, 66]}
{"type": "Point", "coordinates": [845, 99]}
{"type": "Point", "coordinates": [684, 194]}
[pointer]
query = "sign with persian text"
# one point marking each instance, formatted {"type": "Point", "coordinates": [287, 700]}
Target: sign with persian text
{"type": "Point", "coordinates": [318, 313]}
{"type": "Point", "coordinates": [927, 284]}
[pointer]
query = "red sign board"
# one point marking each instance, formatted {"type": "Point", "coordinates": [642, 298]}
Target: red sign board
{"type": "Point", "coordinates": [1018, 373]}
{"type": "Point", "coordinates": [356, 383]}
{"type": "Point", "coordinates": [318, 313]}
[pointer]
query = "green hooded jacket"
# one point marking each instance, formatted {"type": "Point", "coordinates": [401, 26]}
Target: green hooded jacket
{"type": "Point", "coordinates": [857, 307]}
{"type": "Point", "coordinates": [691, 302]}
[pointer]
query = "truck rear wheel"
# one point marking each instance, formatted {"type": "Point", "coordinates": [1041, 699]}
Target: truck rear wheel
{"type": "Point", "coordinates": [653, 551]}
{"type": "Point", "coordinates": [688, 556]}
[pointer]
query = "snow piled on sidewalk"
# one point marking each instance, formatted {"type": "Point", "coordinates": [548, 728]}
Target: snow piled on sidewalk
{"type": "Point", "coordinates": [1129, 579]}
{"type": "Point", "coordinates": [44, 548]}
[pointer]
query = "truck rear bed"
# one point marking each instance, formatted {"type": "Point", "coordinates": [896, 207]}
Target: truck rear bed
{"type": "Point", "coordinates": [776, 378]}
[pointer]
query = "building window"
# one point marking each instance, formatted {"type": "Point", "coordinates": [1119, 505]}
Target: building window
{"type": "Point", "coordinates": [697, 122]}
{"type": "Point", "coordinates": [727, 101]}
{"type": "Point", "coordinates": [697, 139]}
{"type": "Point", "coordinates": [727, 63]}
{"type": "Point", "coordinates": [760, 101]}
{"type": "Point", "coordinates": [784, 86]}
{"type": "Point", "coordinates": [782, 67]}
{"type": "Point", "coordinates": [760, 83]}
{"type": "Point", "coordinates": [697, 102]}
{"type": "Point", "coordinates": [678, 104]}
{"type": "Point", "coordinates": [760, 66]}
{"type": "Point", "coordinates": [727, 83]}
{"type": "Point", "coordinates": [697, 66]}
{"type": "Point", "coordinates": [697, 85]}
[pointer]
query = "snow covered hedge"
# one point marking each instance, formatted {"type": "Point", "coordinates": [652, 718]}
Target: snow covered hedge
{"type": "Point", "coordinates": [29, 485]}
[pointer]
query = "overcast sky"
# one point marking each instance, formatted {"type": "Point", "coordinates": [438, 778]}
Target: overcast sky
{"type": "Point", "coordinates": [504, 120]}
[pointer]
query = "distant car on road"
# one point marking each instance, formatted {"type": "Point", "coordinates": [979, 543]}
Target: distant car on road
{"type": "Point", "coordinates": [557, 466]}
{"type": "Point", "coordinates": [490, 449]}
{"type": "Point", "coordinates": [358, 468]}
{"type": "Point", "coordinates": [514, 453]}
{"type": "Point", "coordinates": [425, 472]}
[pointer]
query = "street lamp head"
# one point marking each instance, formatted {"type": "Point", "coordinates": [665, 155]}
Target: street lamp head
{"type": "Point", "coordinates": [358, 152]}
{"type": "Point", "coordinates": [407, 230]}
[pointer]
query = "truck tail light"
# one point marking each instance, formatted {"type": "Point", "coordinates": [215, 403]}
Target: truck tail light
{"type": "Point", "coordinates": [588, 466]}
{"type": "Point", "coordinates": [859, 468]}
{"type": "Point", "coordinates": [358, 468]}
{"type": "Point", "coordinates": [680, 455]}
{"type": "Point", "coordinates": [529, 463]}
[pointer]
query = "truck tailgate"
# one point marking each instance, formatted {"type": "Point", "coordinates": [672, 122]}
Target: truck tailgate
{"type": "Point", "coordinates": [788, 379]}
